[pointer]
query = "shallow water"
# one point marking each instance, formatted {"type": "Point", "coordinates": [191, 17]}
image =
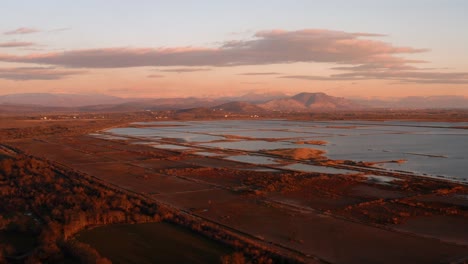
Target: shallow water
{"type": "Point", "coordinates": [381, 179]}
{"type": "Point", "coordinates": [207, 154]}
{"type": "Point", "coordinates": [256, 145]}
{"type": "Point", "coordinates": [172, 147]}
{"type": "Point", "coordinates": [108, 137]}
{"type": "Point", "coordinates": [318, 169]}
{"type": "Point", "coordinates": [430, 148]}
{"type": "Point", "coordinates": [260, 169]}
{"type": "Point", "coordinates": [252, 159]}
{"type": "Point", "coordinates": [431, 154]}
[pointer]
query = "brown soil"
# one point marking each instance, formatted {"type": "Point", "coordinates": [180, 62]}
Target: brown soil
{"type": "Point", "coordinates": [334, 218]}
{"type": "Point", "coordinates": [299, 153]}
{"type": "Point", "coordinates": [312, 142]}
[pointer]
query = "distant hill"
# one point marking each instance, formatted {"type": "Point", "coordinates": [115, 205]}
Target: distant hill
{"type": "Point", "coordinates": [309, 102]}
{"type": "Point", "coordinates": [221, 110]}
{"type": "Point", "coordinates": [256, 97]}
{"type": "Point", "coordinates": [302, 102]}
{"type": "Point", "coordinates": [253, 103]}
{"type": "Point", "coordinates": [29, 109]}
{"type": "Point", "coordinates": [154, 104]}
{"type": "Point", "coordinates": [58, 100]}
{"type": "Point", "coordinates": [179, 103]}
{"type": "Point", "coordinates": [239, 107]}
{"type": "Point", "coordinates": [98, 102]}
{"type": "Point", "coordinates": [417, 102]}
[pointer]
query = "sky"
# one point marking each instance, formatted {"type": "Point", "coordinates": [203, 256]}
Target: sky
{"type": "Point", "coordinates": [348, 48]}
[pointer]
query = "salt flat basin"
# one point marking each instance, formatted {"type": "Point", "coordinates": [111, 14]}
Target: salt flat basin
{"type": "Point", "coordinates": [170, 147]}
{"type": "Point", "coordinates": [319, 169]}
{"type": "Point", "coordinates": [131, 131]}
{"type": "Point", "coordinates": [144, 143]}
{"type": "Point", "coordinates": [108, 137]}
{"type": "Point", "coordinates": [381, 179]}
{"type": "Point", "coordinates": [259, 134]}
{"type": "Point", "coordinates": [260, 169]}
{"type": "Point", "coordinates": [163, 132]}
{"type": "Point", "coordinates": [431, 149]}
{"type": "Point", "coordinates": [256, 145]}
{"type": "Point", "coordinates": [207, 154]}
{"type": "Point", "coordinates": [435, 154]}
{"type": "Point", "coordinates": [253, 159]}
{"type": "Point", "coordinates": [152, 243]}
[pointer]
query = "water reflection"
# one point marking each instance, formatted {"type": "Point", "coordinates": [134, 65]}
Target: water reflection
{"type": "Point", "coordinates": [430, 148]}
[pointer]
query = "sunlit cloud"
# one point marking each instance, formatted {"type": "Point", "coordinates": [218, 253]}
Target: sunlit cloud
{"type": "Point", "coordinates": [358, 56]}
{"type": "Point", "coordinates": [259, 73]}
{"type": "Point", "coordinates": [155, 76]}
{"type": "Point", "coordinates": [253, 83]}
{"type": "Point", "coordinates": [266, 47]}
{"type": "Point", "coordinates": [414, 76]}
{"type": "Point", "coordinates": [36, 73]}
{"type": "Point", "coordinates": [180, 70]}
{"type": "Point", "coordinates": [15, 44]}
{"type": "Point", "coordinates": [122, 89]}
{"type": "Point", "coordinates": [314, 77]}
{"type": "Point", "coordinates": [21, 31]}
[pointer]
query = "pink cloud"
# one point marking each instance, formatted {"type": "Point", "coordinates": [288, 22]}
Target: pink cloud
{"type": "Point", "coordinates": [14, 44]}
{"type": "Point", "coordinates": [359, 56]}
{"type": "Point", "coordinates": [259, 73]}
{"type": "Point", "coordinates": [21, 31]}
{"type": "Point", "coordinates": [180, 70]}
{"type": "Point", "coordinates": [35, 73]}
{"type": "Point", "coordinates": [155, 76]}
{"type": "Point", "coordinates": [412, 75]}
{"type": "Point", "coordinates": [267, 47]}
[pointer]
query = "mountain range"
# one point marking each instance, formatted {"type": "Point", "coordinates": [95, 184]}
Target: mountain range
{"type": "Point", "coordinates": [59, 100]}
{"type": "Point", "coordinates": [418, 102]}
{"type": "Point", "coordinates": [249, 103]}
{"type": "Point", "coordinates": [305, 102]}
